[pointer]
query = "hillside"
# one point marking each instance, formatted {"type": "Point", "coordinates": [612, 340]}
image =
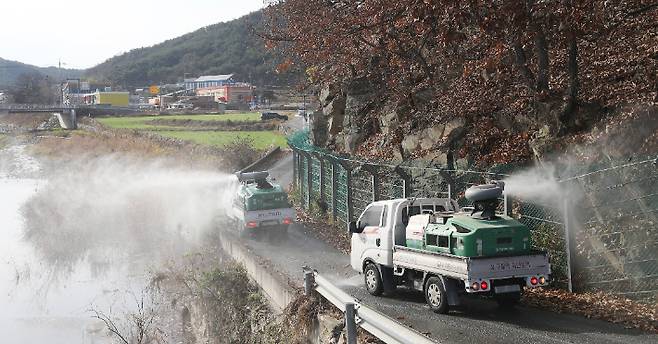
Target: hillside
{"type": "Point", "coordinates": [10, 70]}
{"type": "Point", "coordinates": [222, 48]}
{"type": "Point", "coordinates": [440, 81]}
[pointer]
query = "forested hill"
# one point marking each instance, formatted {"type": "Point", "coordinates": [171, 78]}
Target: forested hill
{"type": "Point", "coordinates": [11, 70]}
{"type": "Point", "coordinates": [223, 48]}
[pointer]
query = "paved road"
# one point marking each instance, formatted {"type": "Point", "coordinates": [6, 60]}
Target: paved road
{"type": "Point", "coordinates": [478, 321]}
{"type": "Point", "coordinates": [295, 123]}
{"type": "Point", "coordinates": [282, 170]}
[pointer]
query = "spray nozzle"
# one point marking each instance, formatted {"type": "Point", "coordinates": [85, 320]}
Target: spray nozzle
{"type": "Point", "coordinates": [499, 183]}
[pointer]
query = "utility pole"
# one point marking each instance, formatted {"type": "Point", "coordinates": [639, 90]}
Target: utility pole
{"type": "Point", "coordinates": [61, 83]}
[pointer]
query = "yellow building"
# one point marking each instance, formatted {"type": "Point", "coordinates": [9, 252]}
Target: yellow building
{"type": "Point", "coordinates": [110, 98]}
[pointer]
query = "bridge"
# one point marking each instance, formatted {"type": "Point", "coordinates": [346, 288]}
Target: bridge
{"type": "Point", "coordinates": [66, 115]}
{"type": "Point", "coordinates": [33, 108]}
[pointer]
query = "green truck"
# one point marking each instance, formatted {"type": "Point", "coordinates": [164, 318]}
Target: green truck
{"type": "Point", "coordinates": [260, 206]}
{"type": "Point", "coordinates": [431, 245]}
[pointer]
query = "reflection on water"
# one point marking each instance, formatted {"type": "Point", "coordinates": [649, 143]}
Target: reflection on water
{"type": "Point", "coordinates": [85, 236]}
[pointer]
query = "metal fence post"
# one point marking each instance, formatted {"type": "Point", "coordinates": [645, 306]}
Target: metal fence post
{"type": "Point", "coordinates": [406, 182]}
{"type": "Point", "coordinates": [568, 243]}
{"type": "Point", "coordinates": [507, 204]}
{"type": "Point", "coordinates": [334, 191]}
{"type": "Point", "coordinates": [309, 281]}
{"type": "Point", "coordinates": [350, 206]}
{"type": "Point", "coordinates": [449, 191]}
{"type": "Point", "coordinates": [299, 170]}
{"type": "Point", "coordinates": [322, 177]}
{"type": "Point", "coordinates": [406, 185]}
{"type": "Point", "coordinates": [309, 179]}
{"type": "Point", "coordinates": [295, 169]}
{"type": "Point", "coordinates": [350, 323]}
{"type": "Point", "coordinates": [375, 181]}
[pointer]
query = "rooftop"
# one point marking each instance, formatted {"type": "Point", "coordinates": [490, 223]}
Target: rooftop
{"type": "Point", "coordinates": [204, 78]}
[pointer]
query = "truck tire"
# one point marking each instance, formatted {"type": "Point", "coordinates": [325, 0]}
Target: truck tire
{"type": "Point", "coordinates": [373, 279]}
{"type": "Point", "coordinates": [436, 295]}
{"type": "Point", "coordinates": [508, 300]}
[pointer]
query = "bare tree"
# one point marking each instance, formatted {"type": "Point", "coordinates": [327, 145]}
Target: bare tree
{"type": "Point", "coordinates": [139, 326]}
{"type": "Point", "coordinates": [34, 88]}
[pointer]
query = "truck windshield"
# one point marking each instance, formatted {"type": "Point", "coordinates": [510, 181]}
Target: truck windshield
{"type": "Point", "coordinates": [371, 217]}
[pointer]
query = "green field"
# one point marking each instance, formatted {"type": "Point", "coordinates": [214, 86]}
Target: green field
{"type": "Point", "coordinates": [217, 138]}
{"type": "Point", "coordinates": [262, 139]}
{"type": "Point", "coordinates": [141, 122]}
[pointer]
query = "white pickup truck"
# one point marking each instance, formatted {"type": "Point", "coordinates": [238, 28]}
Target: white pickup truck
{"type": "Point", "coordinates": [441, 254]}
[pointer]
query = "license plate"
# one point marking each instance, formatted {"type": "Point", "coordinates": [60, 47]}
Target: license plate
{"type": "Point", "coordinates": [510, 266]}
{"type": "Point", "coordinates": [272, 213]}
{"type": "Point", "coordinates": [507, 289]}
{"type": "Point", "coordinates": [269, 223]}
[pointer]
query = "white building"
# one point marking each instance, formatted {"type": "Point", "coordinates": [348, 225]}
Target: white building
{"type": "Point", "coordinates": [206, 81]}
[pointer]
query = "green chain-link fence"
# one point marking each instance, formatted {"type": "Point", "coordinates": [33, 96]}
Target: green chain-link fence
{"type": "Point", "coordinates": [616, 228]}
{"type": "Point", "coordinates": [607, 239]}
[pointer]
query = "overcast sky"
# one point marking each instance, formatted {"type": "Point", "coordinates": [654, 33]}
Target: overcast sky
{"type": "Point", "coordinates": [84, 33]}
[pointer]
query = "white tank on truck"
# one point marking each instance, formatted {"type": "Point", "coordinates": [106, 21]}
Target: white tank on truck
{"type": "Point", "coordinates": [430, 245]}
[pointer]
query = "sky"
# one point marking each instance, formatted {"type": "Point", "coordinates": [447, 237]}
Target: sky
{"type": "Point", "coordinates": [84, 33]}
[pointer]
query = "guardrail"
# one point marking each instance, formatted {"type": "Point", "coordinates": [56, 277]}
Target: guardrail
{"type": "Point", "coordinates": [356, 313]}
{"type": "Point", "coordinates": [265, 157]}
{"type": "Point", "coordinates": [34, 107]}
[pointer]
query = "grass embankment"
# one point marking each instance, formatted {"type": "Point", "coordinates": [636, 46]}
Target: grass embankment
{"type": "Point", "coordinates": [261, 139]}
{"type": "Point", "coordinates": [179, 127]}
{"type": "Point", "coordinates": [143, 122]}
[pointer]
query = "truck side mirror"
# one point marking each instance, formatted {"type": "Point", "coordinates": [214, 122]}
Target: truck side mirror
{"type": "Point", "coordinates": [354, 228]}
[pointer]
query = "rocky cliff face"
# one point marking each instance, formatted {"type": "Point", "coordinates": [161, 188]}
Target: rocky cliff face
{"type": "Point", "coordinates": [355, 120]}
{"type": "Point", "coordinates": [345, 123]}
{"type": "Point", "coordinates": [338, 124]}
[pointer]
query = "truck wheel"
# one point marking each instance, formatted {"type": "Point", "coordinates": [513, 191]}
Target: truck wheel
{"type": "Point", "coordinates": [436, 296]}
{"type": "Point", "coordinates": [508, 300]}
{"type": "Point", "coordinates": [373, 279]}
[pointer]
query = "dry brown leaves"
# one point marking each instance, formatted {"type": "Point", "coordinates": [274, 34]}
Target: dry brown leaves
{"type": "Point", "coordinates": [596, 305]}
{"type": "Point", "coordinates": [320, 229]}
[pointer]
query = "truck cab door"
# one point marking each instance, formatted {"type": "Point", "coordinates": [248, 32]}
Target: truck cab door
{"type": "Point", "coordinates": [367, 241]}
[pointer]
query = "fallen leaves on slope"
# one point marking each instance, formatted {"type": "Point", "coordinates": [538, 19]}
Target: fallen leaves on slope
{"type": "Point", "coordinates": [596, 305]}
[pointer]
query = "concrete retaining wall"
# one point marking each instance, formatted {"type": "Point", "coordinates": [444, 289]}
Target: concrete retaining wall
{"type": "Point", "coordinates": [275, 286]}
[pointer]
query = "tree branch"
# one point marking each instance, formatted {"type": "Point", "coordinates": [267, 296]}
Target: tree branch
{"type": "Point", "coordinates": [110, 325]}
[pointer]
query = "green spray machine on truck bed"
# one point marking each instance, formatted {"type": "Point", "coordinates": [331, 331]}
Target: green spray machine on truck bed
{"type": "Point", "coordinates": [260, 206]}
{"type": "Point", "coordinates": [429, 244]}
